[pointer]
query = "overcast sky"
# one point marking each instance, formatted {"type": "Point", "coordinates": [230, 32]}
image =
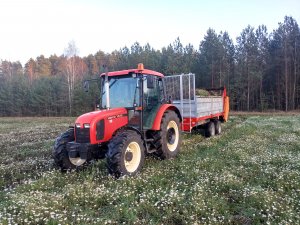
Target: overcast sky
{"type": "Point", "coordinates": [29, 28]}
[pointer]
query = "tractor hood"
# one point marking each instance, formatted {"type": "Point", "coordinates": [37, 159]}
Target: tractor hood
{"type": "Point", "coordinates": [95, 116]}
{"type": "Point", "coordinates": [110, 120]}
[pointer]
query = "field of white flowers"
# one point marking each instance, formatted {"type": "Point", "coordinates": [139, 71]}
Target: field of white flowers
{"type": "Point", "coordinates": [248, 175]}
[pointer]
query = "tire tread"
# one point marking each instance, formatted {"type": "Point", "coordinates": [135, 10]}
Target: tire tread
{"type": "Point", "coordinates": [59, 153]}
{"type": "Point", "coordinates": [161, 151]}
{"type": "Point", "coordinates": [114, 153]}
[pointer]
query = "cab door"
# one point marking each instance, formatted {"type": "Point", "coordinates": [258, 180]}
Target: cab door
{"type": "Point", "coordinates": [152, 99]}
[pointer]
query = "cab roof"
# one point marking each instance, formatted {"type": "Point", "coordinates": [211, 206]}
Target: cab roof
{"type": "Point", "coordinates": [126, 72]}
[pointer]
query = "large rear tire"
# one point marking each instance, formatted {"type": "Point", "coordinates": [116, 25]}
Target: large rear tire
{"type": "Point", "coordinates": [60, 153]}
{"type": "Point", "coordinates": [168, 140]}
{"type": "Point", "coordinates": [126, 154]}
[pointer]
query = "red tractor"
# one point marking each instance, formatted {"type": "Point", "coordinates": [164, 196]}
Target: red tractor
{"type": "Point", "coordinates": [135, 117]}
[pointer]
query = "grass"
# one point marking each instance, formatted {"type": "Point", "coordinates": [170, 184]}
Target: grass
{"type": "Point", "coordinates": [248, 175]}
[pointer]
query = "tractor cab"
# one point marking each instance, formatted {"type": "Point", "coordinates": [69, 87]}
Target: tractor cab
{"type": "Point", "coordinates": [141, 92]}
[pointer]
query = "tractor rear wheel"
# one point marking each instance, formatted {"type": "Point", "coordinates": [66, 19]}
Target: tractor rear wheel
{"type": "Point", "coordinates": [126, 154]}
{"type": "Point", "coordinates": [60, 153]}
{"type": "Point", "coordinates": [168, 139]}
{"type": "Point", "coordinates": [210, 129]}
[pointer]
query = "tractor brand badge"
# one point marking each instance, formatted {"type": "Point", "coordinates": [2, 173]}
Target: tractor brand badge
{"type": "Point", "coordinates": [116, 116]}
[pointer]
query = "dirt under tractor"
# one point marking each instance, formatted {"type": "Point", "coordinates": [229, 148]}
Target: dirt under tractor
{"type": "Point", "coordinates": [140, 112]}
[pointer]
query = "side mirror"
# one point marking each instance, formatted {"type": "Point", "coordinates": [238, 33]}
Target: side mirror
{"type": "Point", "coordinates": [86, 86]}
{"type": "Point", "coordinates": [150, 81]}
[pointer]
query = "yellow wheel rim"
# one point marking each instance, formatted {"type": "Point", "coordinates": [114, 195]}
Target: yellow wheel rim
{"type": "Point", "coordinates": [77, 161]}
{"type": "Point", "coordinates": [172, 135]}
{"type": "Point", "coordinates": [132, 157]}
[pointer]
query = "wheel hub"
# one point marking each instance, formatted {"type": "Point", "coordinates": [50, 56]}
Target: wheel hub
{"type": "Point", "coordinates": [171, 136]}
{"type": "Point", "coordinates": [132, 157]}
{"type": "Point", "coordinates": [77, 161]}
{"type": "Point", "coordinates": [128, 156]}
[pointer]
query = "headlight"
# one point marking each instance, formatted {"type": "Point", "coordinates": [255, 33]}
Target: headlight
{"type": "Point", "coordinates": [77, 125]}
{"type": "Point", "coordinates": [86, 125]}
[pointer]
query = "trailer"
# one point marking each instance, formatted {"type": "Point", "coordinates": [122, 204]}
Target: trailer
{"type": "Point", "coordinates": [208, 111]}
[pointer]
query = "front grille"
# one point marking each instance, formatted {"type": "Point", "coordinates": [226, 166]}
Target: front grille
{"type": "Point", "coordinates": [82, 135]}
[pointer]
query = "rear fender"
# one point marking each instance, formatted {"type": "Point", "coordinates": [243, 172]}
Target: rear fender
{"type": "Point", "coordinates": [160, 113]}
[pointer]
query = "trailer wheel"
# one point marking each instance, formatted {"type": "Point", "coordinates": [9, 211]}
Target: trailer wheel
{"type": "Point", "coordinates": [217, 127]}
{"type": "Point", "coordinates": [210, 129]}
{"type": "Point", "coordinates": [60, 154]}
{"type": "Point", "coordinates": [167, 141]}
{"type": "Point", "coordinates": [126, 154]}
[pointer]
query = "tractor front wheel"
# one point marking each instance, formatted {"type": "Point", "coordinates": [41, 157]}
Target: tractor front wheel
{"type": "Point", "coordinates": [60, 153]}
{"type": "Point", "coordinates": [126, 154]}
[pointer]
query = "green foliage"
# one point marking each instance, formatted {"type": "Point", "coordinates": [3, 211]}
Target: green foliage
{"type": "Point", "coordinates": [43, 67]}
{"type": "Point", "coordinates": [86, 101]}
{"type": "Point", "coordinates": [260, 72]}
{"type": "Point", "coordinates": [45, 96]}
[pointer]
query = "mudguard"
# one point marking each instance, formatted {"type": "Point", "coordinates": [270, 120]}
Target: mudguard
{"type": "Point", "coordinates": [160, 113]}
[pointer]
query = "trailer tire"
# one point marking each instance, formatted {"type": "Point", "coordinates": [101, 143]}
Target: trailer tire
{"type": "Point", "coordinates": [218, 128]}
{"type": "Point", "coordinates": [168, 140]}
{"type": "Point", "coordinates": [126, 154]}
{"type": "Point", "coordinates": [60, 154]}
{"type": "Point", "coordinates": [210, 129]}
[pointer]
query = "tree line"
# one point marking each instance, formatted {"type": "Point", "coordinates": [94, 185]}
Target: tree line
{"type": "Point", "coordinates": [260, 71]}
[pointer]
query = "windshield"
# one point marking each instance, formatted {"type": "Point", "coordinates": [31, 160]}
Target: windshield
{"type": "Point", "coordinates": [123, 92]}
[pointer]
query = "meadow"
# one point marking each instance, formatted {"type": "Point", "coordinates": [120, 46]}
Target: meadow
{"type": "Point", "coordinates": [250, 174]}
